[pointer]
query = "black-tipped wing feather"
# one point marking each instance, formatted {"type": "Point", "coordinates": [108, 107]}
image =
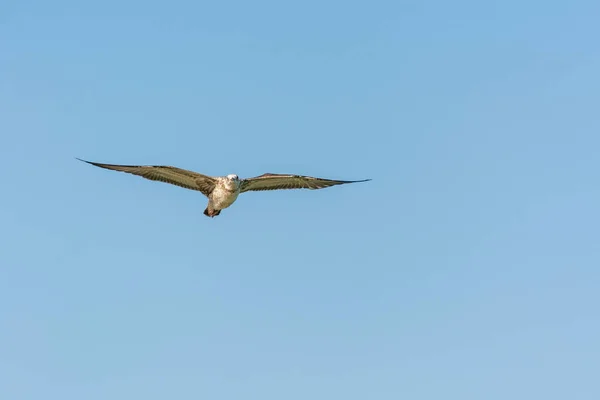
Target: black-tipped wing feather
{"type": "Point", "coordinates": [285, 181]}
{"type": "Point", "coordinates": [175, 176]}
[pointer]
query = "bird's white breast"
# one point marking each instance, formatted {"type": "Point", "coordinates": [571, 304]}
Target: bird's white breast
{"type": "Point", "coordinates": [222, 196]}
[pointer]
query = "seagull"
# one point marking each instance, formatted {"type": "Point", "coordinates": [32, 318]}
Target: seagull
{"type": "Point", "coordinates": [222, 191]}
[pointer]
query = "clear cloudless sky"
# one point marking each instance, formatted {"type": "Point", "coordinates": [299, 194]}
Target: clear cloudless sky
{"type": "Point", "coordinates": [468, 268]}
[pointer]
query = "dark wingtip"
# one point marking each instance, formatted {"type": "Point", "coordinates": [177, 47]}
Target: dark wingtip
{"type": "Point", "coordinates": [95, 164]}
{"type": "Point", "coordinates": [89, 162]}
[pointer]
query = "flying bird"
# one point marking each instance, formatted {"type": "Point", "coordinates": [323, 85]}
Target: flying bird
{"type": "Point", "coordinates": [222, 191]}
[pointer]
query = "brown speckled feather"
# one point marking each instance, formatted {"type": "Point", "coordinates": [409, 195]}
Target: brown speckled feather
{"type": "Point", "coordinates": [286, 181]}
{"type": "Point", "coordinates": [175, 176]}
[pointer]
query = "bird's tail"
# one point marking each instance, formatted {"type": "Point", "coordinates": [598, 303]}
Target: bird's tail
{"type": "Point", "coordinates": [211, 213]}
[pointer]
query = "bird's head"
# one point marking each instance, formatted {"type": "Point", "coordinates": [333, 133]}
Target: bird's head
{"type": "Point", "coordinates": [232, 181]}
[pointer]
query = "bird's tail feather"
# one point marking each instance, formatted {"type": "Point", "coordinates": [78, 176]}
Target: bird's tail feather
{"type": "Point", "coordinates": [211, 213]}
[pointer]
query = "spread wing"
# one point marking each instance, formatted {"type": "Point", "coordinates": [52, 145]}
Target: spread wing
{"type": "Point", "coordinates": [285, 181]}
{"type": "Point", "coordinates": [175, 176]}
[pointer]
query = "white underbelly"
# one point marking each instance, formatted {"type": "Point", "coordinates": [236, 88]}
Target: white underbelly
{"type": "Point", "coordinates": [222, 198]}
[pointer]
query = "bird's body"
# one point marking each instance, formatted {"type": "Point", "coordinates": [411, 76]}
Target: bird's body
{"type": "Point", "coordinates": [222, 191]}
{"type": "Point", "coordinates": [224, 194]}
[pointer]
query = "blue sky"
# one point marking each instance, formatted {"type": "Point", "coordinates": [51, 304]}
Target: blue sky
{"type": "Point", "coordinates": [467, 269]}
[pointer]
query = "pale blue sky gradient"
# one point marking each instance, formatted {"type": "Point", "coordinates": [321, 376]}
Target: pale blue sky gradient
{"type": "Point", "coordinates": [467, 269]}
